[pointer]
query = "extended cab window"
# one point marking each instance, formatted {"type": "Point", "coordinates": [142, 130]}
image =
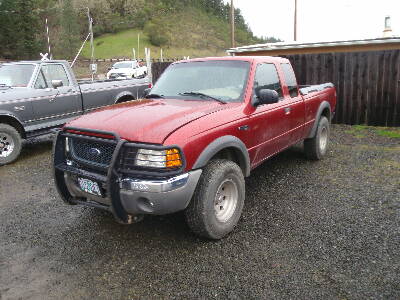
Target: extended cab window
{"type": "Point", "coordinates": [55, 72]}
{"type": "Point", "coordinates": [290, 79]}
{"type": "Point", "coordinates": [267, 78]}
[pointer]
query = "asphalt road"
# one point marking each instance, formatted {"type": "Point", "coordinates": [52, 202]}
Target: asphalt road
{"type": "Point", "coordinates": [310, 230]}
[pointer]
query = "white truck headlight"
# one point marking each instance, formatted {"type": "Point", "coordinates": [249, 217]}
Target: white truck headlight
{"type": "Point", "coordinates": [169, 158]}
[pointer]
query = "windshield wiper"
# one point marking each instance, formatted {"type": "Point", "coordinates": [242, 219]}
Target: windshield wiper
{"type": "Point", "coordinates": [154, 96]}
{"type": "Point", "coordinates": [5, 85]}
{"type": "Point", "coordinates": [203, 95]}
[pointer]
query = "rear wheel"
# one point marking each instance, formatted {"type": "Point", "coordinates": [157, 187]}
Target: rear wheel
{"type": "Point", "coordinates": [316, 148]}
{"type": "Point", "coordinates": [218, 201]}
{"type": "Point", "coordinates": [10, 144]}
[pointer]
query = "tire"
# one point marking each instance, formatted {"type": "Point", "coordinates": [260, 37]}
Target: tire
{"type": "Point", "coordinates": [10, 144]}
{"type": "Point", "coordinates": [214, 218]}
{"type": "Point", "coordinates": [316, 148]}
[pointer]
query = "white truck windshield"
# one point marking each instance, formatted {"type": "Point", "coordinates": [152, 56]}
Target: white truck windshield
{"type": "Point", "coordinates": [124, 65]}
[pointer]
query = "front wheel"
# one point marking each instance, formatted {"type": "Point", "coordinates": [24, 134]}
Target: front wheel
{"type": "Point", "coordinates": [316, 148]}
{"type": "Point", "coordinates": [218, 201]}
{"type": "Point", "coordinates": [10, 144]}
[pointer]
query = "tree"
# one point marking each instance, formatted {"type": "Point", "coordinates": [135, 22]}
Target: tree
{"type": "Point", "coordinates": [20, 29]}
{"type": "Point", "coordinates": [7, 26]}
{"type": "Point", "coordinates": [70, 38]}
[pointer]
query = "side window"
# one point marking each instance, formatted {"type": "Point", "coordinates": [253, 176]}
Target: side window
{"type": "Point", "coordinates": [290, 79]}
{"type": "Point", "coordinates": [55, 72]}
{"type": "Point", "coordinates": [267, 78]}
{"type": "Point", "coordinates": [40, 82]}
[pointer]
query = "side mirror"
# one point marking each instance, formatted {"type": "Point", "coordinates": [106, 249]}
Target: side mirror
{"type": "Point", "coordinates": [109, 69]}
{"type": "Point", "coordinates": [146, 92]}
{"type": "Point", "coordinates": [266, 96]}
{"type": "Point", "coordinates": [57, 83]}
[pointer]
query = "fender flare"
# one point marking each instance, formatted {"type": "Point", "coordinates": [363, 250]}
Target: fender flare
{"type": "Point", "coordinates": [221, 143]}
{"type": "Point", "coordinates": [325, 104]}
{"type": "Point", "coordinates": [15, 119]}
{"type": "Point", "coordinates": [123, 94]}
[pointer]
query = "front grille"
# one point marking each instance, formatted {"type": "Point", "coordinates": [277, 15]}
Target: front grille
{"type": "Point", "coordinates": [115, 75]}
{"type": "Point", "coordinates": [92, 152]}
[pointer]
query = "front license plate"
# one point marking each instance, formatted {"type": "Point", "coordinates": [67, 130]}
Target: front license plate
{"type": "Point", "coordinates": [89, 186]}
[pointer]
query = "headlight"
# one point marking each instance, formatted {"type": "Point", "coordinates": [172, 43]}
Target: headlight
{"type": "Point", "coordinates": [170, 158]}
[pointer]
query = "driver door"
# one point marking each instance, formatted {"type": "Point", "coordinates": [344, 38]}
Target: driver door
{"type": "Point", "coordinates": [269, 122]}
{"type": "Point", "coordinates": [54, 105]}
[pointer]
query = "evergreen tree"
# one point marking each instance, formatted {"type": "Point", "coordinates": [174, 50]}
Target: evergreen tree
{"type": "Point", "coordinates": [7, 26]}
{"type": "Point", "coordinates": [70, 38]}
{"type": "Point", "coordinates": [20, 29]}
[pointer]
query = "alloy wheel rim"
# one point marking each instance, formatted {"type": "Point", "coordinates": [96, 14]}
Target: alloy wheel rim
{"type": "Point", "coordinates": [7, 144]}
{"type": "Point", "coordinates": [226, 200]}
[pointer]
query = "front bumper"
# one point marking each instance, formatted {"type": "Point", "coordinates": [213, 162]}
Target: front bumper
{"type": "Point", "coordinates": [159, 196]}
{"type": "Point", "coordinates": [153, 197]}
{"type": "Point", "coordinates": [123, 195]}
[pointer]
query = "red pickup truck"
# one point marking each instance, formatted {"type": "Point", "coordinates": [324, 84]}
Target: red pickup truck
{"type": "Point", "coordinates": [189, 144]}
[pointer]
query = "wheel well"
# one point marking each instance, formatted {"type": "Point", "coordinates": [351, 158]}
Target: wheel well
{"type": "Point", "coordinates": [125, 99]}
{"type": "Point", "coordinates": [14, 123]}
{"type": "Point", "coordinates": [326, 113]}
{"type": "Point", "coordinates": [234, 155]}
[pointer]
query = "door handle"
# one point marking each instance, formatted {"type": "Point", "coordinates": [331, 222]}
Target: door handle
{"type": "Point", "coordinates": [288, 110]}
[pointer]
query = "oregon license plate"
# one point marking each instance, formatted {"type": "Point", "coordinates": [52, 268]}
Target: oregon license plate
{"type": "Point", "coordinates": [89, 186]}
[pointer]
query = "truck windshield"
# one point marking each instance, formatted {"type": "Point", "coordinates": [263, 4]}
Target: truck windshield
{"type": "Point", "coordinates": [123, 65]}
{"type": "Point", "coordinates": [219, 79]}
{"type": "Point", "coordinates": [17, 75]}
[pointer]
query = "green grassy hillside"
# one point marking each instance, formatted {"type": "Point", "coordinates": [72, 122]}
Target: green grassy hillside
{"type": "Point", "coordinates": [120, 45]}
{"type": "Point", "coordinates": [187, 33]}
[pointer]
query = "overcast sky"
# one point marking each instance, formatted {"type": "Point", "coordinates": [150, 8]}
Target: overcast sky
{"type": "Point", "coordinates": [320, 20]}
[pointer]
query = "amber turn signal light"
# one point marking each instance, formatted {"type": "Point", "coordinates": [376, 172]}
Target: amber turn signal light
{"type": "Point", "coordinates": [173, 158]}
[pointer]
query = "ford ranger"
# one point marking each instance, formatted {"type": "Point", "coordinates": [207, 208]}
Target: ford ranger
{"type": "Point", "coordinates": [190, 143]}
{"type": "Point", "coordinates": [36, 96]}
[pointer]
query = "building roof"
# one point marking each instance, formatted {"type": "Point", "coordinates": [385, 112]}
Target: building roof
{"type": "Point", "coordinates": [299, 45]}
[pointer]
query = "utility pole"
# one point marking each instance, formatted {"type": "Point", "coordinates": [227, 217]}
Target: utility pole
{"type": "Point", "coordinates": [138, 46]}
{"type": "Point", "coordinates": [93, 67]}
{"type": "Point", "coordinates": [295, 20]}
{"type": "Point", "coordinates": [232, 25]}
{"type": "Point", "coordinates": [48, 39]}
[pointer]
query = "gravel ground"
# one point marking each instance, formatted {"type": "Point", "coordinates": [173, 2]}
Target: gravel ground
{"type": "Point", "coordinates": [310, 230]}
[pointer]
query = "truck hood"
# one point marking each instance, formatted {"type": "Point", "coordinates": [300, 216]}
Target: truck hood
{"type": "Point", "coordinates": [147, 120]}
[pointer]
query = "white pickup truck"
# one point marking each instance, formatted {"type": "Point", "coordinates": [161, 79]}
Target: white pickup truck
{"type": "Point", "coordinates": [127, 70]}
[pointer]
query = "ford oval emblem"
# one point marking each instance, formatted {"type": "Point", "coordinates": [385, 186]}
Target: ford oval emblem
{"type": "Point", "coordinates": [94, 152]}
